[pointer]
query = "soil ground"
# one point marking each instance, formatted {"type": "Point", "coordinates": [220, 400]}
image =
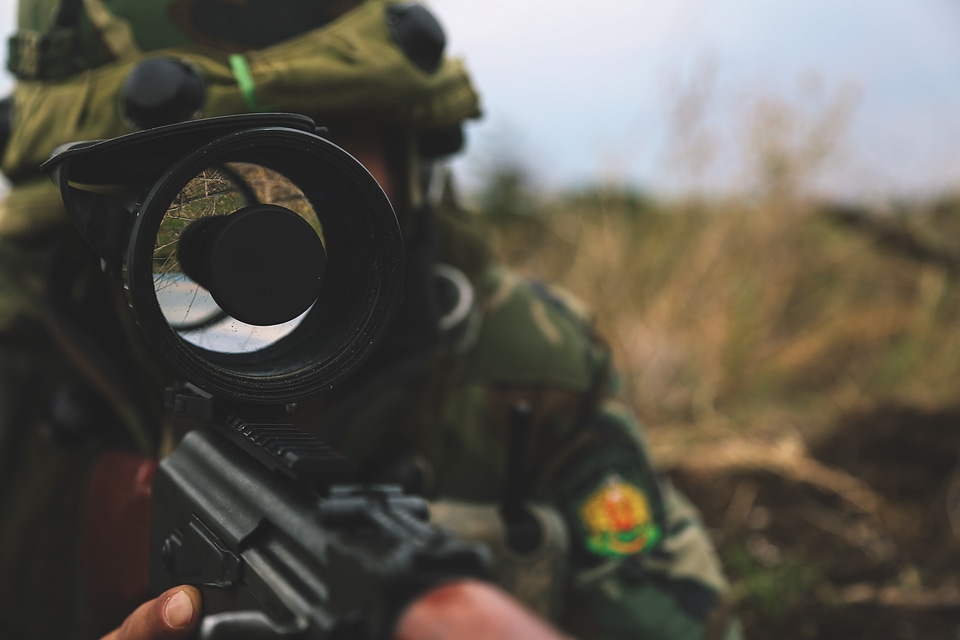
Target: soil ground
{"type": "Point", "coordinates": [855, 538]}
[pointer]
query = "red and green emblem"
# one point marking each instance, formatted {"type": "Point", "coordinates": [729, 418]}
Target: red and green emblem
{"type": "Point", "coordinates": [618, 520]}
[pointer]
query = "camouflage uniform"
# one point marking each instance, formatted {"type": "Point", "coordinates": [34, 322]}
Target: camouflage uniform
{"type": "Point", "coordinates": [626, 555]}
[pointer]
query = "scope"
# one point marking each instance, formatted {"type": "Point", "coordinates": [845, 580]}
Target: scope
{"type": "Point", "coordinates": [260, 259]}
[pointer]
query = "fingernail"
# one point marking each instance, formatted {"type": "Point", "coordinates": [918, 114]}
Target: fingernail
{"type": "Point", "coordinates": [178, 612]}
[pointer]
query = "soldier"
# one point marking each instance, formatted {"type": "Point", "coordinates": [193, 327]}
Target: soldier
{"type": "Point", "coordinates": [492, 395]}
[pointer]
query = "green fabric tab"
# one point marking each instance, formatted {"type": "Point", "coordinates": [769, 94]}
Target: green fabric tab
{"type": "Point", "coordinates": [245, 81]}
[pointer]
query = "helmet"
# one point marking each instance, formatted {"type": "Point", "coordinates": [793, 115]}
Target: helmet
{"type": "Point", "coordinates": [377, 62]}
{"type": "Point", "coordinates": [58, 38]}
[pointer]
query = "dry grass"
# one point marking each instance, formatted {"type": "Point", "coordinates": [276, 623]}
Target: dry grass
{"type": "Point", "coordinates": [768, 328]}
{"type": "Point", "coordinates": [723, 315]}
{"type": "Point", "coordinates": [797, 365]}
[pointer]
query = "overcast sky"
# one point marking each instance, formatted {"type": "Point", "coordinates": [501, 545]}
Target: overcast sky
{"type": "Point", "coordinates": [585, 91]}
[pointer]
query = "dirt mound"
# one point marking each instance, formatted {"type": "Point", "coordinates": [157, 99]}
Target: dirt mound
{"type": "Point", "coordinates": [857, 535]}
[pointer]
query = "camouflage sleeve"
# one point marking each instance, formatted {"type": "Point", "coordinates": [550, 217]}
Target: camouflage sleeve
{"type": "Point", "coordinates": [41, 488]}
{"type": "Point", "coordinates": [641, 563]}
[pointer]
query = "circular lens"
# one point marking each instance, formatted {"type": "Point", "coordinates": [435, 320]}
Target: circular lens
{"type": "Point", "coordinates": [265, 265]}
{"type": "Point", "coordinates": [213, 197]}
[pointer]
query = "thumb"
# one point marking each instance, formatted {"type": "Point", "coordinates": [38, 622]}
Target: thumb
{"type": "Point", "coordinates": [174, 614]}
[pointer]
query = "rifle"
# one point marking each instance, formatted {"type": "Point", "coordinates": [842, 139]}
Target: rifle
{"type": "Point", "coordinates": [254, 511]}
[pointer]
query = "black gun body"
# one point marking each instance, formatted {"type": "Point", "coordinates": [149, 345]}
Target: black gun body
{"type": "Point", "coordinates": [277, 558]}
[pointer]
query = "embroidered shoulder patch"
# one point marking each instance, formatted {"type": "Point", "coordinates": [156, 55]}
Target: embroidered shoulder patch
{"type": "Point", "coordinates": [618, 520]}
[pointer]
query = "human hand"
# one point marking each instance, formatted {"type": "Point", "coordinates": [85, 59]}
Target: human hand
{"type": "Point", "coordinates": [174, 614]}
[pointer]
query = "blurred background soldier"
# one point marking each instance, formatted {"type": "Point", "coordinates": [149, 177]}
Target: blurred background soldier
{"type": "Point", "coordinates": [492, 395]}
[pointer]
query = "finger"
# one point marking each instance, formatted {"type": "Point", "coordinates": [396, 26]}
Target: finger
{"type": "Point", "coordinates": [174, 614]}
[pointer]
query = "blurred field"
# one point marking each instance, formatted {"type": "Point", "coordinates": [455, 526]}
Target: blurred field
{"type": "Point", "coordinates": [798, 368]}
